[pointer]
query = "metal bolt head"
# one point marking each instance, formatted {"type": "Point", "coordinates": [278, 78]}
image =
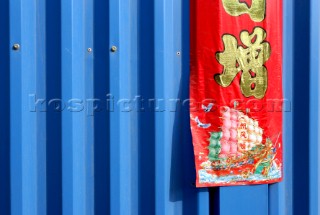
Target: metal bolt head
{"type": "Point", "coordinates": [89, 49]}
{"type": "Point", "coordinates": [178, 53]}
{"type": "Point", "coordinates": [114, 48]}
{"type": "Point", "coordinates": [16, 46]}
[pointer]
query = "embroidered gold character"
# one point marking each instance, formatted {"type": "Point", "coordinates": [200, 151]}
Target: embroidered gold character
{"type": "Point", "coordinates": [249, 60]}
{"type": "Point", "coordinates": [256, 11]}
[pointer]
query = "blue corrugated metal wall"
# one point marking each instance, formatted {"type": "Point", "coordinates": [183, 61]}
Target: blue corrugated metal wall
{"type": "Point", "coordinates": [57, 157]}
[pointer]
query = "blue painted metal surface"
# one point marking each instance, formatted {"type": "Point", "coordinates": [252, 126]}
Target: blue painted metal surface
{"type": "Point", "coordinates": [5, 199]}
{"type": "Point", "coordinates": [281, 195]}
{"type": "Point", "coordinates": [27, 125]}
{"type": "Point", "coordinates": [314, 112]}
{"type": "Point", "coordinates": [86, 130]}
{"type": "Point", "coordinates": [77, 92]}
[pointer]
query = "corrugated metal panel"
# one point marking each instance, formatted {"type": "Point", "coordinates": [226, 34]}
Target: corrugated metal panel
{"type": "Point", "coordinates": [73, 142]}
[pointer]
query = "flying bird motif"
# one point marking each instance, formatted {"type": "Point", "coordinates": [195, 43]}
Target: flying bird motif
{"type": "Point", "coordinates": [207, 108]}
{"type": "Point", "coordinates": [200, 124]}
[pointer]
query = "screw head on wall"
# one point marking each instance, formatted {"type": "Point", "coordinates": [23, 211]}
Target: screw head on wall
{"type": "Point", "coordinates": [114, 48]}
{"type": "Point", "coordinates": [16, 46]}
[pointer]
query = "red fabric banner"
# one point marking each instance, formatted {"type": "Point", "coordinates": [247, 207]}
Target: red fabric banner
{"type": "Point", "coordinates": [236, 91]}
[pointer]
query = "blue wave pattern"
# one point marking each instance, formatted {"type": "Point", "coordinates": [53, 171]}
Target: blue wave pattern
{"type": "Point", "coordinates": [205, 177]}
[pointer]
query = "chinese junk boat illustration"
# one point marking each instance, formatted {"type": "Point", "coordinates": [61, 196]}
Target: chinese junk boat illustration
{"type": "Point", "coordinates": [238, 152]}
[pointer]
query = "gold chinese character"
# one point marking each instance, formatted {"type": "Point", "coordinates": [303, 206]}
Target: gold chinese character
{"type": "Point", "coordinates": [249, 60]}
{"type": "Point", "coordinates": [236, 8]}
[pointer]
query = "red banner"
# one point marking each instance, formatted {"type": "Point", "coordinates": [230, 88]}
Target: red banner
{"type": "Point", "coordinates": [236, 91]}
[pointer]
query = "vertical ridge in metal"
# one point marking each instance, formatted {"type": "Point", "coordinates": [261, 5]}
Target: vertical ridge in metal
{"type": "Point", "coordinates": [77, 90]}
{"type": "Point", "coordinates": [280, 195]}
{"type": "Point", "coordinates": [166, 87]}
{"type": "Point", "coordinates": [123, 119]}
{"type": "Point", "coordinates": [28, 119]}
{"type": "Point", "coordinates": [169, 180]}
{"type": "Point", "coordinates": [314, 115]}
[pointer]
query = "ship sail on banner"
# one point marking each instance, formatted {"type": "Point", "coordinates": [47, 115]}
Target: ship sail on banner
{"type": "Point", "coordinates": [236, 98]}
